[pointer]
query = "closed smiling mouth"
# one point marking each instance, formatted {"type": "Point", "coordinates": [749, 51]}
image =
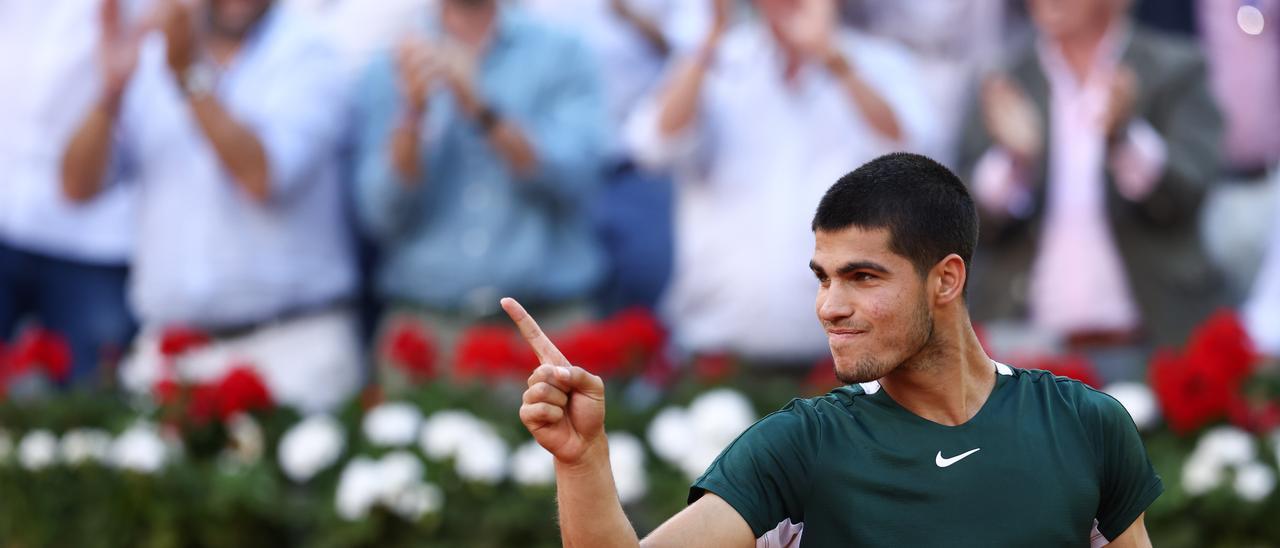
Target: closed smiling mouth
{"type": "Point", "coordinates": [844, 332]}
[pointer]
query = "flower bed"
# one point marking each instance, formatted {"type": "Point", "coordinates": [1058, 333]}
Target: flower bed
{"type": "Point", "coordinates": [448, 463]}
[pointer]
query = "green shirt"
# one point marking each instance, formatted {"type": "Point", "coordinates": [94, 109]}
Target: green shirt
{"type": "Point", "coordinates": [1047, 461]}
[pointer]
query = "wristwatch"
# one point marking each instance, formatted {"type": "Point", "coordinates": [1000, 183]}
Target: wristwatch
{"type": "Point", "coordinates": [487, 119]}
{"type": "Point", "coordinates": [198, 80]}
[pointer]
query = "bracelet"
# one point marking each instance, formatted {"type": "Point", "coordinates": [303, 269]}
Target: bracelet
{"type": "Point", "coordinates": [487, 119]}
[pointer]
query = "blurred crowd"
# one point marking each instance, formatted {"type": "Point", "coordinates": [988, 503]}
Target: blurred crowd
{"type": "Point", "coordinates": [294, 178]}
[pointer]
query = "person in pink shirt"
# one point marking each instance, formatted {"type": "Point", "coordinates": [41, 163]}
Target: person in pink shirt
{"type": "Point", "coordinates": [1089, 157]}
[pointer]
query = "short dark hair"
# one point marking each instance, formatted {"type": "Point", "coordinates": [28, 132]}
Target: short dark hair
{"type": "Point", "coordinates": [926, 208]}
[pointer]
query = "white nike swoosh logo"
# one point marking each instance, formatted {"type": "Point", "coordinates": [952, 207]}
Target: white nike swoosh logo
{"type": "Point", "coordinates": [944, 462]}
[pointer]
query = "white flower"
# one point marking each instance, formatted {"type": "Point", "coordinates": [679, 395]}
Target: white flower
{"type": "Point", "coordinates": [395, 481]}
{"type": "Point", "coordinates": [245, 438]}
{"type": "Point", "coordinates": [139, 449]}
{"type": "Point", "coordinates": [696, 461]}
{"type": "Point", "coordinates": [1227, 445]}
{"type": "Point", "coordinates": [398, 470]}
{"type": "Point", "coordinates": [6, 445]}
{"type": "Point", "coordinates": [1201, 474]}
{"type": "Point", "coordinates": [38, 449]}
{"type": "Point", "coordinates": [82, 445]}
{"type": "Point", "coordinates": [670, 434]}
{"type": "Point", "coordinates": [1138, 399]}
{"type": "Point", "coordinates": [719, 415]}
{"type": "Point", "coordinates": [392, 424]}
{"type": "Point", "coordinates": [311, 446]}
{"type": "Point", "coordinates": [532, 465]}
{"type": "Point", "coordinates": [691, 439]}
{"type": "Point", "coordinates": [1254, 481]}
{"type": "Point", "coordinates": [416, 500]}
{"type": "Point", "coordinates": [483, 458]}
{"type": "Point", "coordinates": [358, 488]}
{"type": "Point", "coordinates": [446, 431]}
{"type": "Point", "coordinates": [626, 458]}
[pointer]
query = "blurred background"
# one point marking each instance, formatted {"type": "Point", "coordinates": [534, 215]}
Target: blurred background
{"type": "Point", "coordinates": [251, 251]}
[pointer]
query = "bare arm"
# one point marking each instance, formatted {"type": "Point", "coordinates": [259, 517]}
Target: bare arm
{"type": "Point", "coordinates": [678, 105]}
{"type": "Point", "coordinates": [874, 109]}
{"type": "Point", "coordinates": [239, 150]}
{"type": "Point", "coordinates": [1133, 537]}
{"type": "Point", "coordinates": [647, 28]}
{"type": "Point", "coordinates": [564, 410]}
{"type": "Point", "coordinates": [85, 161]}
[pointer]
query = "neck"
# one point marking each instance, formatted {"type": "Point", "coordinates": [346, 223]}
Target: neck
{"type": "Point", "coordinates": [948, 381]}
{"type": "Point", "coordinates": [1080, 49]}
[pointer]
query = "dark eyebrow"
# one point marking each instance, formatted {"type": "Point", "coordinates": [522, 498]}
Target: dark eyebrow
{"type": "Point", "coordinates": [850, 268]}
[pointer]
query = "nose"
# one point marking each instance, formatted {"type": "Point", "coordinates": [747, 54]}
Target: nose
{"type": "Point", "coordinates": [834, 304]}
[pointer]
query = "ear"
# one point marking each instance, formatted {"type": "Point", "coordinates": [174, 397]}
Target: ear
{"type": "Point", "coordinates": [947, 279]}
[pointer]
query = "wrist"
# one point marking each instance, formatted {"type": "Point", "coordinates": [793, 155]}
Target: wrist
{"type": "Point", "coordinates": [836, 63]}
{"type": "Point", "coordinates": [593, 459]}
{"type": "Point", "coordinates": [198, 80]}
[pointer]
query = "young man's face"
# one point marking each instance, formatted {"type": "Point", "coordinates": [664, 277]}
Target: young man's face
{"type": "Point", "coordinates": [871, 301]}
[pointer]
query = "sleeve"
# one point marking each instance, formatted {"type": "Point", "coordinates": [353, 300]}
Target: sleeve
{"type": "Point", "coordinates": [1129, 482]}
{"type": "Point", "coordinates": [568, 132]}
{"type": "Point", "coordinates": [1183, 113]}
{"type": "Point", "coordinates": [303, 117]}
{"type": "Point", "coordinates": [765, 474]}
{"type": "Point", "coordinates": [384, 205]}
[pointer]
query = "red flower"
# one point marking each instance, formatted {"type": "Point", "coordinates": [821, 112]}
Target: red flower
{"type": "Point", "coordinates": [176, 341]}
{"type": "Point", "coordinates": [487, 351]}
{"type": "Point", "coordinates": [1189, 396]}
{"type": "Point", "coordinates": [822, 377]}
{"type": "Point", "coordinates": [640, 331]}
{"type": "Point", "coordinates": [598, 348]}
{"type": "Point", "coordinates": [713, 368]}
{"type": "Point", "coordinates": [166, 392]}
{"type": "Point", "coordinates": [1222, 347]}
{"type": "Point", "coordinates": [39, 348]}
{"type": "Point", "coordinates": [411, 349]}
{"type": "Point", "coordinates": [1076, 367]}
{"type": "Point", "coordinates": [241, 390]}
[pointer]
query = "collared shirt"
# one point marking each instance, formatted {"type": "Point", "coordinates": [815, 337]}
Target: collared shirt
{"type": "Point", "coordinates": [208, 254]}
{"type": "Point", "coordinates": [48, 70]}
{"type": "Point", "coordinates": [749, 173]}
{"type": "Point", "coordinates": [1078, 280]}
{"type": "Point", "coordinates": [629, 64]}
{"type": "Point", "coordinates": [473, 231]}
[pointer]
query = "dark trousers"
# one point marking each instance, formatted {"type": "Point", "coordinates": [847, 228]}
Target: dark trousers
{"type": "Point", "coordinates": [633, 219]}
{"type": "Point", "coordinates": [84, 303]}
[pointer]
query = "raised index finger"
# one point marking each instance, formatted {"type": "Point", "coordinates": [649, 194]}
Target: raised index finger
{"type": "Point", "coordinates": [542, 346]}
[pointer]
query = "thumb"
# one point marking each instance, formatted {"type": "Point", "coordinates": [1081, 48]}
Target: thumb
{"type": "Point", "coordinates": [581, 381]}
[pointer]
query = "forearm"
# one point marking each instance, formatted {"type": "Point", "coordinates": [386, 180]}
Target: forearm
{"type": "Point", "coordinates": [514, 147]}
{"type": "Point", "coordinates": [869, 103]}
{"type": "Point", "coordinates": [679, 102]}
{"type": "Point", "coordinates": [88, 153]}
{"type": "Point", "coordinates": [649, 31]}
{"type": "Point", "coordinates": [239, 150]}
{"type": "Point", "coordinates": [406, 156]}
{"type": "Point", "coordinates": [590, 514]}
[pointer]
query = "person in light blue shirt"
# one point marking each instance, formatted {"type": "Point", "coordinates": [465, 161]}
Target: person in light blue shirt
{"type": "Point", "coordinates": [229, 126]}
{"type": "Point", "coordinates": [482, 144]}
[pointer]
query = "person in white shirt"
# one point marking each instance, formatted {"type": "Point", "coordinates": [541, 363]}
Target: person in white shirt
{"type": "Point", "coordinates": [755, 122]}
{"type": "Point", "coordinates": [631, 40]}
{"type": "Point", "coordinates": [62, 265]}
{"type": "Point", "coordinates": [228, 121]}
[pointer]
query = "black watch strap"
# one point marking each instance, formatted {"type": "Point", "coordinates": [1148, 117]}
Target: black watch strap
{"type": "Point", "coordinates": [487, 119]}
